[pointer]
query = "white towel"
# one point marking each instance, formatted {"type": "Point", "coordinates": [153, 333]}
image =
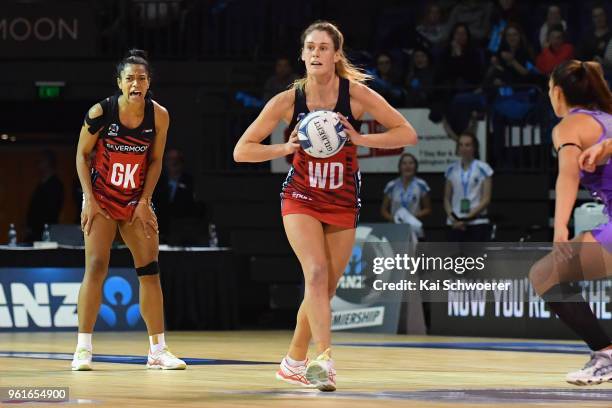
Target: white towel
{"type": "Point", "coordinates": [403, 216]}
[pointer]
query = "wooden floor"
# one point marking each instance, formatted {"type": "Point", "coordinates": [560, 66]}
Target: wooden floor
{"type": "Point", "coordinates": [367, 376]}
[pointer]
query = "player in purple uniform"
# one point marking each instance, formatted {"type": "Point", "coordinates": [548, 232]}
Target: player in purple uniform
{"type": "Point", "coordinates": [580, 95]}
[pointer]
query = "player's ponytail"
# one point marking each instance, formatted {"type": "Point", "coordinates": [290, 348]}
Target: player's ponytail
{"type": "Point", "coordinates": [583, 84]}
{"type": "Point", "coordinates": [598, 85]}
{"type": "Point", "coordinates": [344, 68]}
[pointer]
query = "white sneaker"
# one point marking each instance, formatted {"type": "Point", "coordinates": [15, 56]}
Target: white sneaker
{"type": "Point", "coordinates": [596, 371]}
{"type": "Point", "coordinates": [165, 360]}
{"type": "Point", "coordinates": [321, 372]}
{"type": "Point", "coordinates": [293, 375]}
{"type": "Point", "coordinates": [81, 360]}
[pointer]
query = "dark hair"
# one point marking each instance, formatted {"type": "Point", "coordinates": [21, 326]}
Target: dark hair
{"type": "Point", "coordinates": [556, 27]}
{"type": "Point", "coordinates": [412, 156]}
{"type": "Point", "coordinates": [519, 30]}
{"type": "Point", "coordinates": [424, 51]}
{"type": "Point", "coordinates": [137, 57]}
{"type": "Point", "coordinates": [475, 143]}
{"type": "Point", "coordinates": [467, 30]}
{"type": "Point", "coordinates": [524, 50]}
{"type": "Point", "coordinates": [583, 84]}
{"type": "Point", "coordinates": [427, 10]}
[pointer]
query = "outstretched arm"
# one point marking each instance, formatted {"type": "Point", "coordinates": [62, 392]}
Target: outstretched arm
{"type": "Point", "coordinates": [249, 147]}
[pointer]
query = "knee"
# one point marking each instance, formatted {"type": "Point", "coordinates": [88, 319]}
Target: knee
{"type": "Point", "coordinates": [316, 278]}
{"type": "Point", "coordinates": [148, 272]}
{"type": "Point", "coordinates": [96, 268]}
{"type": "Point", "coordinates": [539, 275]}
{"type": "Point", "coordinates": [147, 257]}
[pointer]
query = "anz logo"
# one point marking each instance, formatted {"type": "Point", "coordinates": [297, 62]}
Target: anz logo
{"type": "Point", "coordinates": [118, 292]}
{"type": "Point", "coordinates": [35, 306]}
{"type": "Point", "coordinates": [53, 305]}
{"type": "Point", "coordinates": [354, 273]}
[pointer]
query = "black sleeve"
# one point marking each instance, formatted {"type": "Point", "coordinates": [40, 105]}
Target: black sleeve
{"type": "Point", "coordinates": [97, 123]}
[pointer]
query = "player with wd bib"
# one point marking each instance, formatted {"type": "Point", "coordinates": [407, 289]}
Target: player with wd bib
{"type": "Point", "coordinates": [127, 133]}
{"type": "Point", "coordinates": [320, 197]}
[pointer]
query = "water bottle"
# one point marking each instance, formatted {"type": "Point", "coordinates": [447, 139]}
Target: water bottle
{"type": "Point", "coordinates": [213, 241]}
{"type": "Point", "coordinates": [12, 235]}
{"type": "Point", "coordinates": [46, 236]}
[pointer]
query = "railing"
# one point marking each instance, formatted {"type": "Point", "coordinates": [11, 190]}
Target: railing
{"type": "Point", "coordinates": [521, 143]}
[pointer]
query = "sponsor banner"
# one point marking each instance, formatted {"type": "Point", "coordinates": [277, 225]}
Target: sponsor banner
{"type": "Point", "coordinates": [45, 299]}
{"type": "Point", "coordinates": [474, 289]}
{"type": "Point", "coordinates": [356, 305]}
{"type": "Point", "coordinates": [44, 29]}
{"type": "Point", "coordinates": [518, 312]}
{"type": "Point", "coordinates": [486, 289]}
{"type": "Point", "coordinates": [356, 318]}
{"type": "Point", "coordinates": [435, 150]}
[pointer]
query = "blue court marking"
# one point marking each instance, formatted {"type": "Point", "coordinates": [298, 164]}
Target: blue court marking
{"type": "Point", "coordinates": [535, 347]}
{"type": "Point", "coordinates": [109, 358]}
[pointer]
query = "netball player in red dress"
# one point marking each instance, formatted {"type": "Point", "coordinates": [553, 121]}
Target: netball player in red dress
{"type": "Point", "coordinates": [127, 132]}
{"type": "Point", "coordinates": [320, 197]}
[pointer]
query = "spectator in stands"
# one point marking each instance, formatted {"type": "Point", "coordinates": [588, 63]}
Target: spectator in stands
{"type": "Point", "coordinates": [432, 29]}
{"type": "Point", "coordinates": [460, 71]}
{"type": "Point", "coordinates": [513, 63]}
{"type": "Point", "coordinates": [593, 45]}
{"type": "Point", "coordinates": [47, 199]}
{"type": "Point", "coordinates": [556, 52]}
{"type": "Point", "coordinates": [460, 64]}
{"type": "Point", "coordinates": [281, 80]}
{"type": "Point", "coordinates": [506, 12]}
{"type": "Point", "coordinates": [420, 79]}
{"type": "Point", "coordinates": [476, 15]}
{"type": "Point", "coordinates": [467, 193]}
{"type": "Point", "coordinates": [406, 198]}
{"type": "Point", "coordinates": [553, 18]}
{"type": "Point", "coordinates": [174, 197]}
{"type": "Point", "coordinates": [387, 80]}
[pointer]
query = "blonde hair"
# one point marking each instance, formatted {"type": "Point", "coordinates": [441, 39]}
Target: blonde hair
{"type": "Point", "coordinates": [344, 68]}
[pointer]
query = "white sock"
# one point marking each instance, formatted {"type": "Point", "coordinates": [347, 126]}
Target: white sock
{"type": "Point", "coordinates": [294, 363]}
{"type": "Point", "coordinates": [161, 342]}
{"type": "Point", "coordinates": [84, 341]}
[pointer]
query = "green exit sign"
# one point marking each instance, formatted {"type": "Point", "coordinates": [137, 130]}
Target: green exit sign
{"type": "Point", "coordinates": [49, 89]}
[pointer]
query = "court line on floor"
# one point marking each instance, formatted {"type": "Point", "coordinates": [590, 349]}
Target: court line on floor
{"type": "Point", "coordinates": [508, 397]}
{"type": "Point", "coordinates": [120, 359]}
{"type": "Point", "coordinates": [531, 347]}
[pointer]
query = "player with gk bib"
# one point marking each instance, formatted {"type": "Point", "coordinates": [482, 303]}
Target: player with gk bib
{"type": "Point", "coordinates": [127, 134]}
